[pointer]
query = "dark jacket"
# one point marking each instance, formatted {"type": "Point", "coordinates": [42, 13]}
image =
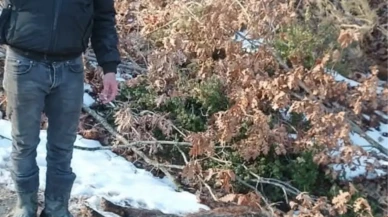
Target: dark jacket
{"type": "Point", "coordinates": [64, 27]}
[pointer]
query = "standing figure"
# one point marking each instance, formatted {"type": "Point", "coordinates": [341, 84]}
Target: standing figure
{"type": "Point", "coordinates": [44, 72]}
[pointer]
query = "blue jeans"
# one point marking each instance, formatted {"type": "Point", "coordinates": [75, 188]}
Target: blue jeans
{"type": "Point", "coordinates": [55, 88]}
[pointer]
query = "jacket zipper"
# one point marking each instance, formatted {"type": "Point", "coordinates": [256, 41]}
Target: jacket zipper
{"type": "Point", "coordinates": [9, 7]}
{"type": "Point", "coordinates": [56, 7]}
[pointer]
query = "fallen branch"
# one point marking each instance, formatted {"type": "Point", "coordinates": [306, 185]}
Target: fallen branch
{"type": "Point", "coordinates": [132, 144]}
{"type": "Point", "coordinates": [208, 188]}
{"type": "Point", "coordinates": [259, 179]}
{"type": "Point", "coordinates": [241, 181]}
{"type": "Point", "coordinates": [123, 140]}
{"type": "Point", "coordinates": [231, 211]}
{"type": "Point", "coordinates": [285, 186]}
{"type": "Point", "coordinates": [87, 211]}
{"type": "Point", "coordinates": [108, 206]}
{"type": "Point", "coordinates": [172, 166]}
{"type": "Point", "coordinates": [359, 131]}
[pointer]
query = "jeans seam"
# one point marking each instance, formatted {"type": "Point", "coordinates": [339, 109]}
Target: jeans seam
{"type": "Point", "coordinates": [53, 82]}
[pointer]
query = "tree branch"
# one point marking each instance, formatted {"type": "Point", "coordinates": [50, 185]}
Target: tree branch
{"type": "Point", "coordinates": [123, 140]}
{"type": "Point", "coordinates": [133, 144]}
{"type": "Point", "coordinates": [302, 85]}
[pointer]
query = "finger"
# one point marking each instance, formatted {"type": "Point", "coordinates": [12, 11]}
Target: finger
{"type": "Point", "coordinates": [112, 93]}
{"type": "Point", "coordinates": [109, 92]}
{"type": "Point", "coordinates": [115, 90]}
{"type": "Point", "coordinates": [104, 90]}
{"type": "Point", "coordinates": [102, 98]}
{"type": "Point", "coordinates": [103, 95]}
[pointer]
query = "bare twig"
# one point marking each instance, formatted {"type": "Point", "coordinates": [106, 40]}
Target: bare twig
{"type": "Point", "coordinates": [172, 166]}
{"type": "Point", "coordinates": [284, 186]}
{"type": "Point", "coordinates": [183, 155]}
{"type": "Point", "coordinates": [133, 144]}
{"type": "Point", "coordinates": [257, 192]}
{"type": "Point", "coordinates": [373, 143]}
{"type": "Point", "coordinates": [143, 112]}
{"type": "Point", "coordinates": [208, 188]}
{"type": "Point", "coordinates": [123, 140]}
{"type": "Point", "coordinates": [287, 187]}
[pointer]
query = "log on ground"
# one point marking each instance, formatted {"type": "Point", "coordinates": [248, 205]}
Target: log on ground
{"type": "Point", "coordinates": [231, 211]}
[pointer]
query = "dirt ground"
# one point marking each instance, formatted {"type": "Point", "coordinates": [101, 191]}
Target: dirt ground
{"type": "Point", "coordinates": [8, 200]}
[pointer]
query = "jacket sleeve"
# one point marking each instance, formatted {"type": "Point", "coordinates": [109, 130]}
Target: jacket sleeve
{"type": "Point", "coordinates": [104, 37]}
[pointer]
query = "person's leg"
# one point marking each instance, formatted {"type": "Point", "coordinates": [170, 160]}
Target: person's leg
{"type": "Point", "coordinates": [63, 109]}
{"type": "Point", "coordinates": [25, 84]}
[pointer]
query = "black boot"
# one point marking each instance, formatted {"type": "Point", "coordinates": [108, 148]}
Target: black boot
{"type": "Point", "coordinates": [26, 205]}
{"type": "Point", "coordinates": [57, 195]}
{"type": "Point", "coordinates": [56, 208]}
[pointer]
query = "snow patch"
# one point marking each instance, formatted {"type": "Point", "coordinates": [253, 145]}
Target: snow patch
{"type": "Point", "coordinates": [338, 77]}
{"type": "Point", "coordinates": [105, 174]}
{"type": "Point", "coordinates": [361, 165]}
{"type": "Point", "coordinates": [248, 44]}
{"type": "Point", "coordinates": [88, 100]}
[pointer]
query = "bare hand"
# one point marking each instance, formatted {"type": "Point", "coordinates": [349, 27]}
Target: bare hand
{"type": "Point", "coordinates": [110, 88]}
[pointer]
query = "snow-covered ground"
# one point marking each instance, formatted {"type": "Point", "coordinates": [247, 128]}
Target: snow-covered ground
{"type": "Point", "coordinates": [361, 164]}
{"type": "Point", "coordinates": [105, 174]}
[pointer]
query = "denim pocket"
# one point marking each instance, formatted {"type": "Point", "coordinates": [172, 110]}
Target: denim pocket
{"type": "Point", "coordinates": [76, 65]}
{"type": "Point", "coordinates": [18, 66]}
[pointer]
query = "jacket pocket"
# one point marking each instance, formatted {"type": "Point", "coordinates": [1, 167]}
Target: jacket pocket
{"type": "Point", "coordinates": [4, 22]}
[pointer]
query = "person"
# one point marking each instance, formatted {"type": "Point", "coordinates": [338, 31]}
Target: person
{"type": "Point", "coordinates": [44, 72]}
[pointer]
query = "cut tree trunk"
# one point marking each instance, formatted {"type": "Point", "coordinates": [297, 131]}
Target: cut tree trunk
{"type": "Point", "coordinates": [231, 211]}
